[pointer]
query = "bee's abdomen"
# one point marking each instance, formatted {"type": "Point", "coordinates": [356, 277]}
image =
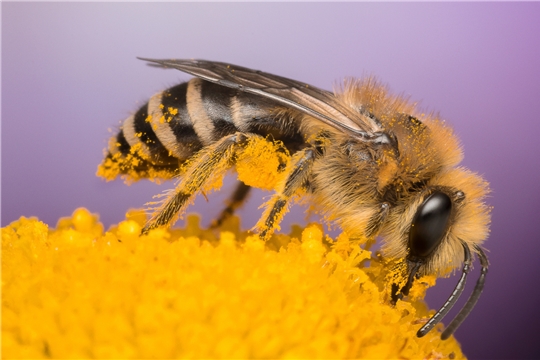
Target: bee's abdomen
{"type": "Point", "coordinates": [179, 121]}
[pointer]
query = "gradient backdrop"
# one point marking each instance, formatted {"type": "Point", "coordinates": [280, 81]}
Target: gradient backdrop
{"type": "Point", "coordinates": [69, 74]}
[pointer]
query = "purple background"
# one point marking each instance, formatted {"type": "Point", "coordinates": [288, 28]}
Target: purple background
{"type": "Point", "coordinates": [69, 73]}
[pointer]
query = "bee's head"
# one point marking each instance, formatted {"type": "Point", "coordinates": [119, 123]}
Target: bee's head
{"type": "Point", "coordinates": [436, 230]}
{"type": "Point", "coordinates": [430, 224]}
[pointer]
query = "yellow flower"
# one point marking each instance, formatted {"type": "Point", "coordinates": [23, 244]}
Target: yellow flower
{"type": "Point", "coordinates": [80, 292]}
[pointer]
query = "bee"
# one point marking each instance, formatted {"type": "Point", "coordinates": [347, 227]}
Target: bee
{"type": "Point", "coordinates": [368, 159]}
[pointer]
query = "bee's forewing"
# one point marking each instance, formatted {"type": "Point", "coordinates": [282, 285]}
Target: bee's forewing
{"type": "Point", "coordinates": [318, 103]}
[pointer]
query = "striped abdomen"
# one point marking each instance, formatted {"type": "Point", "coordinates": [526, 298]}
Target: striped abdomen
{"type": "Point", "coordinates": [178, 122]}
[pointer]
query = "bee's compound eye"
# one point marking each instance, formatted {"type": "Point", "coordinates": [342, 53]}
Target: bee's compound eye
{"type": "Point", "coordinates": [429, 224]}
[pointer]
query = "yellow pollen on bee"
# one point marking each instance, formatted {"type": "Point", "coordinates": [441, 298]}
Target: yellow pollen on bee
{"type": "Point", "coordinates": [126, 166]}
{"type": "Point", "coordinates": [257, 165]}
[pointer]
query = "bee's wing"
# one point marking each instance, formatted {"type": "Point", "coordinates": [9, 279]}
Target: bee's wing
{"type": "Point", "coordinates": [308, 99]}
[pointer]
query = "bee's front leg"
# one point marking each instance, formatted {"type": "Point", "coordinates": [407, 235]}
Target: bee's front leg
{"type": "Point", "coordinates": [301, 164]}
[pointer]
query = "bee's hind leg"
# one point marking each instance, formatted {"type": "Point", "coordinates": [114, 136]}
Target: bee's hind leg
{"type": "Point", "coordinates": [234, 203]}
{"type": "Point", "coordinates": [209, 165]}
{"type": "Point", "coordinates": [300, 169]}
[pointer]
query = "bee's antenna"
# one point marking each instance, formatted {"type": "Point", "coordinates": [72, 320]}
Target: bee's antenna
{"type": "Point", "coordinates": [447, 306]}
{"type": "Point", "coordinates": [471, 302]}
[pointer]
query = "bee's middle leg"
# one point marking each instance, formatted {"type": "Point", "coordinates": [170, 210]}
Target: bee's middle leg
{"type": "Point", "coordinates": [301, 164]}
{"type": "Point", "coordinates": [208, 165]}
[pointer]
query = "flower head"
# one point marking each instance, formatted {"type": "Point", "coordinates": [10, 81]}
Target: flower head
{"type": "Point", "coordinates": [80, 292]}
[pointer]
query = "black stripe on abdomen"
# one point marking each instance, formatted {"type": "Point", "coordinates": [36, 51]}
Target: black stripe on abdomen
{"type": "Point", "coordinates": [177, 118]}
{"type": "Point", "coordinates": [143, 132]}
{"type": "Point", "coordinates": [121, 143]}
{"type": "Point", "coordinates": [217, 104]}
